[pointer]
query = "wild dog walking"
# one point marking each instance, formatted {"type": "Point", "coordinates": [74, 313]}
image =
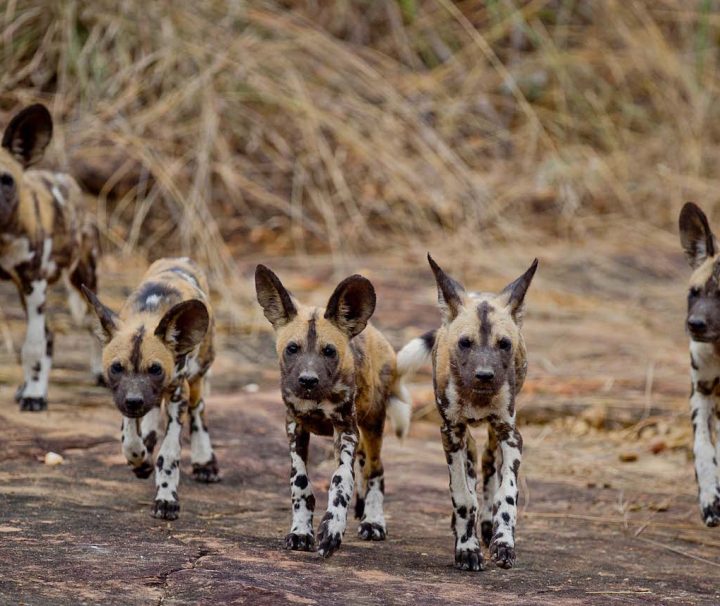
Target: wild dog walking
{"type": "Point", "coordinates": [479, 365]}
{"type": "Point", "coordinates": [45, 234]}
{"type": "Point", "coordinates": [335, 381]}
{"type": "Point", "coordinates": [703, 327]}
{"type": "Point", "coordinates": [157, 350]}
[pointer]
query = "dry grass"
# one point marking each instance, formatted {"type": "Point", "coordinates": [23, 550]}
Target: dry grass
{"type": "Point", "coordinates": [348, 126]}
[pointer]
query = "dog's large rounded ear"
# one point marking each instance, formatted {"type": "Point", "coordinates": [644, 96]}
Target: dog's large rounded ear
{"type": "Point", "coordinates": [351, 305]}
{"type": "Point", "coordinates": [107, 317]}
{"type": "Point", "coordinates": [450, 292]}
{"type": "Point", "coordinates": [273, 297]}
{"type": "Point", "coordinates": [514, 293]}
{"type": "Point", "coordinates": [697, 240]}
{"type": "Point", "coordinates": [184, 326]}
{"type": "Point", "coordinates": [28, 134]}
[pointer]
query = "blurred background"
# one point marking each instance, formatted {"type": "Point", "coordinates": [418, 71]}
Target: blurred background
{"type": "Point", "coordinates": [228, 128]}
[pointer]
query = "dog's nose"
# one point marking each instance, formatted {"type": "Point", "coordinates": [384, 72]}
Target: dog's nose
{"type": "Point", "coordinates": [308, 380]}
{"type": "Point", "coordinates": [134, 403]}
{"type": "Point", "coordinates": [696, 325]}
{"type": "Point", "coordinates": [484, 374]}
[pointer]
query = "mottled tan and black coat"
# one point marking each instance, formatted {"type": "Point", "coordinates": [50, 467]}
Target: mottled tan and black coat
{"type": "Point", "coordinates": [157, 351]}
{"type": "Point", "coordinates": [703, 327]}
{"type": "Point", "coordinates": [45, 233]}
{"type": "Point", "coordinates": [479, 365]}
{"type": "Point", "coordinates": [338, 378]}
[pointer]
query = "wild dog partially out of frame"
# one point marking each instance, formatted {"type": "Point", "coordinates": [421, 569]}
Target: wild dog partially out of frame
{"type": "Point", "coordinates": [479, 365]}
{"type": "Point", "coordinates": [45, 234]}
{"type": "Point", "coordinates": [338, 378]}
{"type": "Point", "coordinates": [703, 327]}
{"type": "Point", "coordinates": [158, 350]}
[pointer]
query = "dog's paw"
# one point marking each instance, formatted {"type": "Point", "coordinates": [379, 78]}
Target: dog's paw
{"type": "Point", "coordinates": [144, 470]}
{"type": "Point", "coordinates": [328, 542]}
{"type": "Point", "coordinates": [711, 513]}
{"type": "Point", "coordinates": [33, 404]}
{"type": "Point", "coordinates": [166, 510]}
{"type": "Point", "coordinates": [469, 559]}
{"type": "Point", "coordinates": [206, 472]}
{"type": "Point", "coordinates": [370, 531]}
{"type": "Point", "coordinates": [502, 554]}
{"type": "Point", "coordinates": [300, 542]}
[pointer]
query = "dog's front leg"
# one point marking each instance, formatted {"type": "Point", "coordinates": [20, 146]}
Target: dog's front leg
{"type": "Point", "coordinates": [36, 350]}
{"type": "Point", "coordinates": [334, 521]}
{"type": "Point", "coordinates": [464, 498]}
{"type": "Point", "coordinates": [167, 465]}
{"type": "Point", "coordinates": [136, 448]}
{"type": "Point", "coordinates": [702, 411]}
{"type": "Point", "coordinates": [502, 546]}
{"type": "Point", "coordinates": [301, 536]}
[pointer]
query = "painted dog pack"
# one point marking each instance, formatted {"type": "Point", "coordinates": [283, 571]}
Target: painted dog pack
{"type": "Point", "coordinates": [338, 378]}
{"type": "Point", "coordinates": [156, 352]}
{"type": "Point", "coordinates": [479, 365]}
{"type": "Point", "coordinates": [46, 235]}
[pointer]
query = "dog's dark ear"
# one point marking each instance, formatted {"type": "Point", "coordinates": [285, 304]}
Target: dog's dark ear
{"type": "Point", "coordinates": [697, 240]}
{"type": "Point", "coordinates": [450, 292]}
{"type": "Point", "coordinates": [514, 293]}
{"type": "Point", "coordinates": [107, 317]}
{"type": "Point", "coordinates": [273, 297]}
{"type": "Point", "coordinates": [184, 326]}
{"type": "Point", "coordinates": [28, 134]}
{"type": "Point", "coordinates": [351, 305]}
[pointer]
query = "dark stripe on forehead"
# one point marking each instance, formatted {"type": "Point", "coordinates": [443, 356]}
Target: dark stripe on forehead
{"type": "Point", "coordinates": [485, 326]}
{"type": "Point", "coordinates": [135, 354]}
{"type": "Point", "coordinates": [312, 332]}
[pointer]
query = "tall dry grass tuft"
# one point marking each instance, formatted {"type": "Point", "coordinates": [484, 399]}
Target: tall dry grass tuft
{"type": "Point", "coordinates": [348, 126]}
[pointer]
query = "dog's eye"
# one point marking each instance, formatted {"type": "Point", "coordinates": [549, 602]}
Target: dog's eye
{"type": "Point", "coordinates": [329, 351]}
{"type": "Point", "coordinates": [504, 343]}
{"type": "Point", "coordinates": [155, 369]}
{"type": "Point", "coordinates": [116, 368]}
{"type": "Point", "coordinates": [694, 292]}
{"type": "Point", "coordinates": [6, 180]}
{"type": "Point", "coordinates": [465, 343]}
{"type": "Point", "coordinates": [292, 349]}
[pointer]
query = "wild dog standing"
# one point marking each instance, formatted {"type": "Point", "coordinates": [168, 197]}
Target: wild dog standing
{"type": "Point", "coordinates": [703, 326]}
{"type": "Point", "coordinates": [333, 380]}
{"type": "Point", "coordinates": [159, 349]}
{"type": "Point", "coordinates": [479, 365]}
{"type": "Point", "coordinates": [44, 234]}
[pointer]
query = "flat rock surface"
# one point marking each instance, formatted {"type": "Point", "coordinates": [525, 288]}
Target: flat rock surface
{"type": "Point", "coordinates": [607, 513]}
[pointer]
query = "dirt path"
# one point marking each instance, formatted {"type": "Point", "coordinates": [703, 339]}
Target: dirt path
{"type": "Point", "coordinates": [608, 383]}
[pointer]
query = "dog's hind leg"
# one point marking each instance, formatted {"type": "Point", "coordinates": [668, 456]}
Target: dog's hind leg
{"type": "Point", "coordinates": [204, 463]}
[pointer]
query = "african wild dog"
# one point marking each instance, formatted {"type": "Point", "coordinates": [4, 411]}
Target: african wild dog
{"type": "Point", "coordinates": [703, 327]}
{"type": "Point", "coordinates": [479, 365]}
{"type": "Point", "coordinates": [159, 348]}
{"type": "Point", "coordinates": [333, 380]}
{"type": "Point", "coordinates": [45, 234]}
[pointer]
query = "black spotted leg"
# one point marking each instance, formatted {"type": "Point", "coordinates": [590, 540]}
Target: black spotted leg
{"type": "Point", "coordinates": [301, 536]}
{"type": "Point", "coordinates": [334, 522]}
{"type": "Point", "coordinates": [702, 411]}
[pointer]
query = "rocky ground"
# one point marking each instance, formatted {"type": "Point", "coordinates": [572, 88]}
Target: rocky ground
{"type": "Point", "coordinates": [607, 512]}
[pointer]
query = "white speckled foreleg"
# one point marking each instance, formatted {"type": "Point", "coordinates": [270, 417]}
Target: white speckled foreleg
{"type": "Point", "coordinates": [702, 411]}
{"type": "Point", "coordinates": [502, 546]}
{"type": "Point", "coordinates": [204, 463]}
{"type": "Point", "coordinates": [301, 536]}
{"type": "Point", "coordinates": [372, 521]}
{"type": "Point", "coordinates": [490, 485]}
{"type": "Point", "coordinates": [334, 521]}
{"type": "Point", "coordinates": [36, 351]}
{"type": "Point", "coordinates": [167, 465]}
{"type": "Point", "coordinates": [464, 498]}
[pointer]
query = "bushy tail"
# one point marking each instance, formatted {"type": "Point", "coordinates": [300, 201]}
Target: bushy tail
{"type": "Point", "coordinates": [415, 354]}
{"type": "Point", "coordinates": [409, 359]}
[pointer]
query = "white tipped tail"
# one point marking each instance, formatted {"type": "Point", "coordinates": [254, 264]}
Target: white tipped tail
{"type": "Point", "coordinates": [409, 359]}
{"type": "Point", "coordinates": [415, 354]}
